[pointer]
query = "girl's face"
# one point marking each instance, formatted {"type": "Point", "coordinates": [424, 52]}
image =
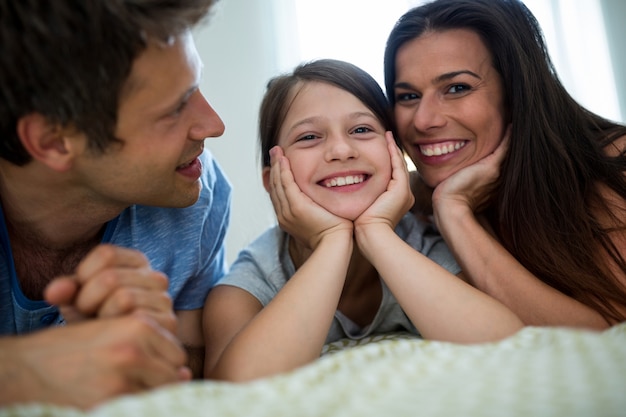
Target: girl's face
{"type": "Point", "coordinates": [336, 148]}
{"type": "Point", "coordinates": [449, 102]}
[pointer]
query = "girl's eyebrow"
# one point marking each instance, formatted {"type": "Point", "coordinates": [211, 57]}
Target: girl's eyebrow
{"type": "Point", "coordinates": [313, 119]}
{"type": "Point", "coordinates": [358, 114]}
{"type": "Point", "coordinates": [305, 121]}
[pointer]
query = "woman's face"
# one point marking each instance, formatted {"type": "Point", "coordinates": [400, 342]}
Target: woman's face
{"type": "Point", "coordinates": [336, 148]}
{"type": "Point", "coordinates": [449, 102]}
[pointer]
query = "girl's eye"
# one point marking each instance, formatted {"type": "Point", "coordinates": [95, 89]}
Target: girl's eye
{"type": "Point", "coordinates": [459, 88]}
{"type": "Point", "coordinates": [362, 129]}
{"type": "Point", "coordinates": [307, 137]}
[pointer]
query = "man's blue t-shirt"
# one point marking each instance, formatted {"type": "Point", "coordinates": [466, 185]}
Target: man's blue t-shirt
{"type": "Point", "coordinates": [187, 244]}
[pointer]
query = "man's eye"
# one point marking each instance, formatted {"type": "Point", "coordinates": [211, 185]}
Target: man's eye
{"type": "Point", "coordinates": [178, 110]}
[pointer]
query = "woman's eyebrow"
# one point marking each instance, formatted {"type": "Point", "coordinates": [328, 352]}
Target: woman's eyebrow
{"type": "Point", "coordinates": [449, 75]}
{"type": "Point", "coordinates": [440, 78]}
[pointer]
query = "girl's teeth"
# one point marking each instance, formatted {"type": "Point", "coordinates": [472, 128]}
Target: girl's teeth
{"type": "Point", "coordinates": [347, 180]}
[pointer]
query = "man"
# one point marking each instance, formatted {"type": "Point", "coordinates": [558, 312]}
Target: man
{"type": "Point", "coordinates": [111, 208]}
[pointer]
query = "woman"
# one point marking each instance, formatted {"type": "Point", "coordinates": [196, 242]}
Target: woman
{"type": "Point", "coordinates": [347, 261]}
{"type": "Point", "coordinates": [536, 220]}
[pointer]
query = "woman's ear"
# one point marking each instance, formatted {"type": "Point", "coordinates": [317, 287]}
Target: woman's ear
{"type": "Point", "coordinates": [46, 142]}
{"type": "Point", "coordinates": [266, 178]}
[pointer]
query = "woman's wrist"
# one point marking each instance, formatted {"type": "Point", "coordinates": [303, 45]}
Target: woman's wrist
{"type": "Point", "coordinates": [451, 215]}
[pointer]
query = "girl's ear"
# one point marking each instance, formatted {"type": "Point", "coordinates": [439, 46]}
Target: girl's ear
{"type": "Point", "coordinates": [266, 178]}
{"type": "Point", "coordinates": [46, 142]}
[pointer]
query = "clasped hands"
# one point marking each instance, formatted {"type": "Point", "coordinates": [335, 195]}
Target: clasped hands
{"type": "Point", "coordinates": [119, 338]}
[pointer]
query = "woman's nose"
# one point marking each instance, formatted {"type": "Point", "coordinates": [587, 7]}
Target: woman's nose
{"type": "Point", "coordinates": [428, 114]}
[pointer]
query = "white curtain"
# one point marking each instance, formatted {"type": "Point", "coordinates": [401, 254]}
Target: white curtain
{"type": "Point", "coordinates": [577, 41]}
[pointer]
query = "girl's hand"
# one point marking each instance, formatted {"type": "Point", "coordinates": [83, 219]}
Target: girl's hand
{"type": "Point", "coordinates": [396, 201]}
{"type": "Point", "coordinates": [297, 214]}
{"type": "Point", "coordinates": [471, 186]}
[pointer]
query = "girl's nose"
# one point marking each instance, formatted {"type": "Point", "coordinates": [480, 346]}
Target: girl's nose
{"type": "Point", "coordinates": [340, 147]}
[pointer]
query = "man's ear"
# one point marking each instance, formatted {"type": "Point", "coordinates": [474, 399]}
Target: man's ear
{"type": "Point", "coordinates": [266, 178]}
{"type": "Point", "coordinates": [45, 141]}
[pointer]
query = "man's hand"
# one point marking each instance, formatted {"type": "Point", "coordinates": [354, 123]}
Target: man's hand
{"type": "Point", "coordinates": [112, 282]}
{"type": "Point", "coordinates": [84, 364]}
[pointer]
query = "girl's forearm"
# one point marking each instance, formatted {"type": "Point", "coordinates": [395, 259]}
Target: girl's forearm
{"type": "Point", "coordinates": [291, 330]}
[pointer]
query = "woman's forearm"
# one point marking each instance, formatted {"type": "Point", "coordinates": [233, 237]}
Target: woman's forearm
{"type": "Point", "coordinates": [492, 269]}
{"type": "Point", "coordinates": [440, 305]}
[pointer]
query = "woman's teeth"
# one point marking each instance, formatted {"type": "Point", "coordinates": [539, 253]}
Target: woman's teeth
{"type": "Point", "coordinates": [436, 150]}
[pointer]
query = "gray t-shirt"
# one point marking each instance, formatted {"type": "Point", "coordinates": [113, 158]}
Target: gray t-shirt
{"type": "Point", "coordinates": [264, 267]}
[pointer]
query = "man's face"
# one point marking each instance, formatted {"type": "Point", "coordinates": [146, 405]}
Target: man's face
{"type": "Point", "coordinates": [163, 120]}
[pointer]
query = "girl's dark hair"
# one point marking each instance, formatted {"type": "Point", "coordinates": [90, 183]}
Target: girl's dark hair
{"type": "Point", "coordinates": [70, 60]}
{"type": "Point", "coordinates": [547, 208]}
{"type": "Point", "coordinates": [282, 90]}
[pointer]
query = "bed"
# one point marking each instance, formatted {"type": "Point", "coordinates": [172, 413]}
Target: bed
{"type": "Point", "coordinates": [537, 372]}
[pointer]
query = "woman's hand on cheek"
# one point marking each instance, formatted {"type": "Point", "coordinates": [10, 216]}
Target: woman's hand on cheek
{"type": "Point", "coordinates": [296, 213]}
{"type": "Point", "coordinates": [396, 201]}
{"type": "Point", "coordinates": [471, 186]}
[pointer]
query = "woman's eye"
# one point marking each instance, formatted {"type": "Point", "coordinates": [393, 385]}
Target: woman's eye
{"type": "Point", "coordinates": [406, 96]}
{"type": "Point", "coordinates": [459, 88]}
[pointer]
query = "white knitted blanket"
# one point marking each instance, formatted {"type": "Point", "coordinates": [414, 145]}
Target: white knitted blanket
{"type": "Point", "coordinates": [537, 372]}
